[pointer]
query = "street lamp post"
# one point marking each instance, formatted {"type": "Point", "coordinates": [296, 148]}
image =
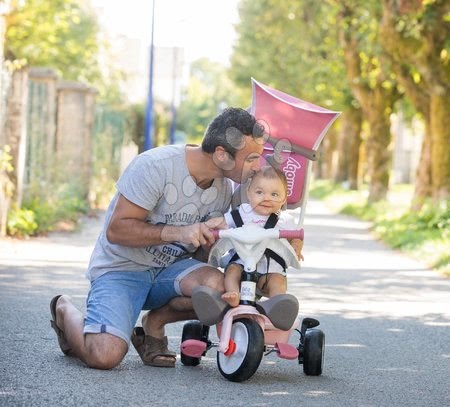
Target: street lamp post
{"type": "Point", "coordinates": [173, 126]}
{"type": "Point", "coordinates": [148, 136]}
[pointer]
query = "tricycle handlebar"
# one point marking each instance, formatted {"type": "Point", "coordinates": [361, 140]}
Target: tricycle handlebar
{"type": "Point", "coordinates": [274, 233]}
{"type": "Point", "coordinates": [292, 234]}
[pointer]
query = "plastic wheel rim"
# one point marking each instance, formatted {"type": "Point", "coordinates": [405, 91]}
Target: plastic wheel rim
{"type": "Point", "coordinates": [230, 364]}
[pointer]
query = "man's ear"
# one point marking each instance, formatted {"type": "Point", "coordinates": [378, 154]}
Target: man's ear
{"type": "Point", "coordinates": [223, 159]}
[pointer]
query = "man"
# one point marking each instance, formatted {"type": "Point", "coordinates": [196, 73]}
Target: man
{"type": "Point", "coordinates": [145, 256]}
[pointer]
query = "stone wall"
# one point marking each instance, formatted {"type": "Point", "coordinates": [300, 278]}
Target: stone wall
{"type": "Point", "coordinates": [75, 120]}
{"type": "Point", "coordinates": [49, 126]}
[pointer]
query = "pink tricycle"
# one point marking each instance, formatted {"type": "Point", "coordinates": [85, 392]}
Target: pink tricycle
{"type": "Point", "coordinates": [256, 328]}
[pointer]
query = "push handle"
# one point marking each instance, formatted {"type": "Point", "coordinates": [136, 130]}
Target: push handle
{"type": "Point", "coordinates": [292, 234]}
{"type": "Point", "coordinates": [284, 234]}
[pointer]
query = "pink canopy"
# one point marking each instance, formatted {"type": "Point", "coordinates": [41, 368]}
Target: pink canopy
{"type": "Point", "coordinates": [296, 129]}
{"type": "Point", "coordinates": [286, 117]}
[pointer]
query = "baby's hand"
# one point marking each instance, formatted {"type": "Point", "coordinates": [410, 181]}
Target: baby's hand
{"type": "Point", "coordinates": [297, 245]}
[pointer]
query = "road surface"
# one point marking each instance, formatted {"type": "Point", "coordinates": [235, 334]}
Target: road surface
{"type": "Point", "coordinates": [385, 316]}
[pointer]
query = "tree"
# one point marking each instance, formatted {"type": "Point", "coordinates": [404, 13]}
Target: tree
{"type": "Point", "coordinates": [292, 46]}
{"type": "Point", "coordinates": [416, 34]}
{"type": "Point", "coordinates": [372, 83]}
{"type": "Point", "coordinates": [59, 34]}
{"type": "Point", "coordinates": [209, 91]}
{"type": "Point", "coordinates": [349, 143]}
{"type": "Point", "coordinates": [289, 45]}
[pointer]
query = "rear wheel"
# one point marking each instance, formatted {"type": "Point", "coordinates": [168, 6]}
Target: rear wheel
{"type": "Point", "coordinates": [191, 330]}
{"type": "Point", "coordinates": [314, 352]}
{"type": "Point", "coordinates": [245, 353]}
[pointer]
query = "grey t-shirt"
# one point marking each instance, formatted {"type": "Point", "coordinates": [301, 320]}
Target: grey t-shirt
{"type": "Point", "coordinates": [159, 181]}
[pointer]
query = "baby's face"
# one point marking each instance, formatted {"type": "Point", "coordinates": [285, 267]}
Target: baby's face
{"type": "Point", "coordinates": [266, 196]}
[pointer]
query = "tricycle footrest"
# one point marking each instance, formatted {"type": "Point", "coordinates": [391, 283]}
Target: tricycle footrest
{"type": "Point", "coordinates": [286, 351]}
{"type": "Point", "coordinates": [193, 348]}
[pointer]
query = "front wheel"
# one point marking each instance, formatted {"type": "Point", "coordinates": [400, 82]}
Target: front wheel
{"type": "Point", "coordinates": [246, 352]}
{"type": "Point", "coordinates": [314, 352]}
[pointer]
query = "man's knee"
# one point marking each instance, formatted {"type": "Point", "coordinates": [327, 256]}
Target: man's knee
{"type": "Point", "coordinates": [207, 276]}
{"type": "Point", "coordinates": [104, 351]}
{"type": "Point", "coordinates": [213, 279]}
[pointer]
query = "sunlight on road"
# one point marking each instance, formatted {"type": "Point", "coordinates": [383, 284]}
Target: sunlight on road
{"type": "Point", "coordinates": [338, 223]}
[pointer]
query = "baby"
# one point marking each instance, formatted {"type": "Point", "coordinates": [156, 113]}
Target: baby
{"type": "Point", "coordinates": [267, 193]}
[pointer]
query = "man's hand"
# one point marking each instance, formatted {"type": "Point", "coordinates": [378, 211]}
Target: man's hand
{"type": "Point", "coordinates": [198, 234]}
{"type": "Point", "coordinates": [217, 223]}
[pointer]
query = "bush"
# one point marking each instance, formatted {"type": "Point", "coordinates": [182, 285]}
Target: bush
{"type": "Point", "coordinates": [21, 223]}
{"type": "Point", "coordinates": [38, 216]}
{"type": "Point", "coordinates": [424, 234]}
{"type": "Point", "coordinates": [43, 214]}
{"type": "Point", "coordinates": [69, 203]}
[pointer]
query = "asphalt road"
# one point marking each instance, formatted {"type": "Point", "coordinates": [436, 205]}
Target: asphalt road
{"type": "Point", "coordinates": [386, 320]}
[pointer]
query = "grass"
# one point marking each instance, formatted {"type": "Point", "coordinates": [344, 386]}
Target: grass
{"type": "Point", "coordinates": [424, 235]}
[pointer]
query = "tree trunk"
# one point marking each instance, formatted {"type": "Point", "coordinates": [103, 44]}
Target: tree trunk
{"type": "Point", "coordinates": [349, 142]}
{"type": "Point", "coordinates": [317, 167]}
{"type": "Point", "coordinates": [376, 93]}
{"type": "Point", "coordinates": [419, 97]}
{"type": "Point", "coordinates": [422, 53]}
{"type": "Point", "coordinates": [440, 146]}
{"type": "Point", "coordinates": [379, 154]}
{"type": "Point", "coordinates": [423, 188]}
{"type": "Point", "coordinates": [16, 128]}
{"type": "Point", "coordinates": [329, 157]}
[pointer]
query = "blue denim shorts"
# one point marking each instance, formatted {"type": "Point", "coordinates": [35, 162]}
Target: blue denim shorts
{"type": "Point", "coordinates": [116, 298]}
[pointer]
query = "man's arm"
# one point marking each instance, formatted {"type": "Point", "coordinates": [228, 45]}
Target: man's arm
{"type": "Point", "coordinates": [128, 227]}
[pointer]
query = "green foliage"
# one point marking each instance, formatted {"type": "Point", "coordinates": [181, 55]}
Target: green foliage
{"type": "Point", "coordinates": [323, 189]}
{"type": "Point", "coordinates": [209, 91]}
{"type": "Point", "coordinates": [60, 34]}
{"type": "Point", "coordinates": [6, 160]}
{"type": "Point", "coordinates": [6, 186]}
{"type": "Point", "coordinates": [69, 202]}
{"type": "Point", "coordinates": [21, 222]}
{"type": "Point", "coordinates": [292, 46]}
{"type": "Point", "coordinates": [430, 217]}
{"type": "Point", "coordinates": [424, 234]}
{"type": "Point", "coordinates": [134, 116]}
{"type": "Point", "coordinates": [39, 216]}
{"type": "Point", "coordinates": [336, 195]}
{"type": "Point", "coordinates": [44, 215]}
{"type": "Point", "coordinates": [135, 124]}
{"type": "Point", "coordinates": [102, 188]}
{"type": "Point", "coordinates": [109, 132]}
{"type": "Point", "coordinates": [6, 169]}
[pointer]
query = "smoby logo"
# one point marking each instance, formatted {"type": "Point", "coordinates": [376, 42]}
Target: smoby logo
{"type": "Point", "coordinates": [290, 169]}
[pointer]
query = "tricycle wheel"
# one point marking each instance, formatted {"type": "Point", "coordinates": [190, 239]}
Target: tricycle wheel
{"type": "Point", "coordinates": [247, 340]}
{"type": "Point", "coordinates": [191, 330]}
{"type": "Point", "coordinates": [314, 352]}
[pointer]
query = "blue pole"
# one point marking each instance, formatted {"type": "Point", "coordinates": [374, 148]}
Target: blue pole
{"type": "Point", "coordinates": [148, 136]}
{"type": "Point", "coordinates": [173, 125]}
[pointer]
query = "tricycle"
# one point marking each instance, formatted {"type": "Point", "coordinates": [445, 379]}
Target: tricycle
{"type": "Point", "coordinates": [258, 327]}
{"type": "Point", "coordinates": [254, 328]}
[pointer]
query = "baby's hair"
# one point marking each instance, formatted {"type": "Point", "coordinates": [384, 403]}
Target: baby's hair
{"type": "Point", "coordinates": [270, 172]}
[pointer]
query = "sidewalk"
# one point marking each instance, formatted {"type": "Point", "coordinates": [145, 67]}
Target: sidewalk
{"type": "Point", "coordinates": [75, 246]}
